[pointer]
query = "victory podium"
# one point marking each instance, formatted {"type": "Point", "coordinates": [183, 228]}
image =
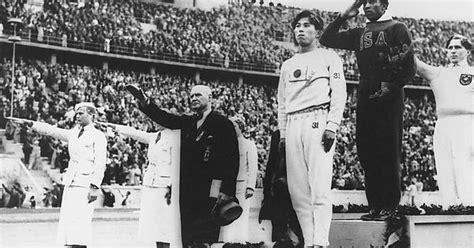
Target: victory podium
{"type": "Point", "coordinates": [348, 231]}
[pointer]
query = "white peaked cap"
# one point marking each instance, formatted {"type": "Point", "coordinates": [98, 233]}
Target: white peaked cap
{"type": "Point", "coordinates": [84, 104]}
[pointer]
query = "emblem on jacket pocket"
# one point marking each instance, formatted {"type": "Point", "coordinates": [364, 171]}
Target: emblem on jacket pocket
{"type": "Point", "coordinates": [297, 73]}
{"type": "Point", "coordinates": [465, 79]}
{"type": "Point", "coordinates": [207, 154]}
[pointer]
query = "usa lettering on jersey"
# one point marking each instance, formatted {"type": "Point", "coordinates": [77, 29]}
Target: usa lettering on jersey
{"type": "Point", "coordinates": [366, 40]}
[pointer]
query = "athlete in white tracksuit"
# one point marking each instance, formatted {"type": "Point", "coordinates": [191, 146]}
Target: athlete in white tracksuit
{"type": "Point", "coordinates": [158, 220]}
{"type": "Point", "coordinates": [311, 99]}
{"type": "Point", "coordinates": [238, 231]}
{"type": "Point", "coordinates": [453, 88]}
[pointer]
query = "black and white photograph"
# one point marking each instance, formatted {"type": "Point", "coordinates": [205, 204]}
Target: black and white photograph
{"type": "Point", "coordinates": [236, 123]}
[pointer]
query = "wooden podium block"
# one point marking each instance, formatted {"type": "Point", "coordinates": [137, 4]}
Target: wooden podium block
{"type": "Point", "coordinates": [348, 231]}
{"type": "Point", "coordinates": [433, 231]}
{"type": "Point", "coordinates": [441, 231]}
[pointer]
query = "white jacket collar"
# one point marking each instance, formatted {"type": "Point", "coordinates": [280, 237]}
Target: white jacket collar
{"type": "Point", "coordinates": [385, 17]}
{"type": "Point", "coordinates": [88, 127]}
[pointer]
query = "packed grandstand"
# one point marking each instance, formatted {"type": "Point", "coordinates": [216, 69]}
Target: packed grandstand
{"type": "Point", "coordinates": [244, 37]}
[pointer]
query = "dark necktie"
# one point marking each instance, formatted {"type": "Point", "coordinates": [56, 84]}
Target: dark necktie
{"type": "Point", "coordinates": [81, 132]}
{"type": "Point", "coordinates": [158, 137]}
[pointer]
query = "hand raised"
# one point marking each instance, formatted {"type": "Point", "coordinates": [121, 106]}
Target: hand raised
{"type": "Point", "coordinates": [137, 93]}
{"type": "Point", "coordinates": [353, 10]}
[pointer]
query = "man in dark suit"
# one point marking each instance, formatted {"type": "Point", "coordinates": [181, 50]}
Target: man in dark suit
{"type": "Point", "coordinates": [209, 162]}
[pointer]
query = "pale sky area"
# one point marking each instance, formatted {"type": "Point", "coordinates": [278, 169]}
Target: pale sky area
{"type": "Point", "coordinates": [432, 9]}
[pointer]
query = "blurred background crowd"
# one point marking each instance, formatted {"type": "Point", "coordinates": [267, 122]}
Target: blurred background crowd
{"type": "Point", "coordinates": [48, 93]}
{"type": "Point", "coordinates": [241, 36]}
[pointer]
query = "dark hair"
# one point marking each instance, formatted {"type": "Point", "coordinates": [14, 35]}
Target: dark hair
{"type": "Point", "coordinates": [313, 19]}
{"type": "Point", "coordinates": [384, 2]}
{"type": "Point", "coordinates": [464, 41]}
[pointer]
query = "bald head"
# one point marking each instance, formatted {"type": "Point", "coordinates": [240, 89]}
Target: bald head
{"type": "Point", "coordinates": [200, 98]}
{"type": "Point", "coordinates": [202, 89]}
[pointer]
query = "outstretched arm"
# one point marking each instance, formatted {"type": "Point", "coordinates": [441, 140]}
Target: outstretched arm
{"type": "Point", "coordinates": [44, 128]}
{"type": "Point", "coordinates": [131, 132]}
{"type": "Point", "coordinates": [426, 71]}
{"type": "Point", "coordinates": [49, 130]}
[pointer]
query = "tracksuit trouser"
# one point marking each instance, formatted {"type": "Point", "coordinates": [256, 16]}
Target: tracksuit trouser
{"type": "Point", "coordinates": [309, 171]}
{"type": "Point", "coordinates": [454, 156]}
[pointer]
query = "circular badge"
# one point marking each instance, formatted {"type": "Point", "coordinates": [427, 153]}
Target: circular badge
{"type": "Point", "coordinates": [465, 79]}
{"type": "Point", "coordinates": [297, 73]}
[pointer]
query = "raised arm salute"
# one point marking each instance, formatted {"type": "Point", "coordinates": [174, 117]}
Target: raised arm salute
{"type": "Point", "coordinates": [87, 150]}
{"type": "Point", "coordinates": [454, 131]}
{"type": "Point", "coordinates": [209, 157]}
{"type": "Point", "coordinates": [158, 208]}
{"type": "Point", "coordinates": [385, 57]}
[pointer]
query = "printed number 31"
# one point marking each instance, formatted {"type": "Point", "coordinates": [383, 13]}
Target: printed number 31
{"type": "Point", "coordinates": [315, 124]}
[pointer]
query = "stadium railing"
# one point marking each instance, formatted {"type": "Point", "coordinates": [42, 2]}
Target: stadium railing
{"type": "Point", "coordinates": [207, 60]}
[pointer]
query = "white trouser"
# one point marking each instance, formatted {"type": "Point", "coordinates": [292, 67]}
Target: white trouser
{"type": "Point", "coordinates": [309, 171]}
{"type": "Point", "coordinates": [75, 217]}
{"type": "Point", "coordinates": [238, 231]}
{"type": "Point", "coordinates": [454, 156]}
{"type": "Point", "coordinates": [155, 221]}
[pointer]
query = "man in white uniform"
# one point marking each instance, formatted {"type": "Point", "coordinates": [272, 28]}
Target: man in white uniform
{"type": "Point", "coordinates": [311, 99]}
{"type": "Point", "coordinates": [453, 138]}
{"type": "Point", "coordinates": [238, 231]}
{"type": "Point", "coordinates": [157, 221]}
{"type": "Point", "coordinates": [87, 148]}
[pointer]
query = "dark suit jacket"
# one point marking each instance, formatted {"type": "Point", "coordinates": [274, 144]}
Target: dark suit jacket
{"type": "Point", "coordinates": [276, 205]}
{"type": "Point", "coordinates": [209, 153]}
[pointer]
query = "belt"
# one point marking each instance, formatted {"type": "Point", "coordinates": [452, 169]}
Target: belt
{"type": "Point", "coordinates": [311, 109]}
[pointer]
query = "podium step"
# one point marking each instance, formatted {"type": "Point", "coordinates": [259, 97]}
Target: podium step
{"type": "Point", "coordinates": [349, 231]}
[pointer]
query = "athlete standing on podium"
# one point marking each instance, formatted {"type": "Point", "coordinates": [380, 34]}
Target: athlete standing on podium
{"type": "Point", "coordinates": [311, 99]}
{"type": "Point", "coordinates": [454, 132]}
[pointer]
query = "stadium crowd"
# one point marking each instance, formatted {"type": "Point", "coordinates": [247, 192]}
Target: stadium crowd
{"type": "Point", "coordinates": [49, 92]}
{"type": "Point", "coordinates": [244, 36]}
{"type": "Point", "coordinates": [238, 36]}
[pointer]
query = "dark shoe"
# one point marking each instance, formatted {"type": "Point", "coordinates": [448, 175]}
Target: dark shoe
{"type": "Point", "coordinates": [385, 214]}
{"type": "Point", "coordinates": [136, 92]}
{"type": "Point", "coordinates": [372, 215]}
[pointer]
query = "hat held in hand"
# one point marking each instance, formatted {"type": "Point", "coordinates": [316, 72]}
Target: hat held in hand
{"type": "Point", "coordinates": [136, 92]}
{"type": "Point", "coordinates": [226, 212]}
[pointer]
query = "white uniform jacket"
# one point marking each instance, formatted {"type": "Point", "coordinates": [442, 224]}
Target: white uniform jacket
{"type": "Point", "coordinates": [161, 154]}
{"type": "Point", "coordinates": [87, 153]}
{"type": "Point", "coordinates": [248, 163]}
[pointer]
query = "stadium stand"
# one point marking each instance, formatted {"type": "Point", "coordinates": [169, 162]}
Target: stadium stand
{"type": "Point", "coordinates": [245, 37]}
{"type": "Point", "coordinates": [239, 36]}
{"type": "Point", "coordinates": [49, 92]}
